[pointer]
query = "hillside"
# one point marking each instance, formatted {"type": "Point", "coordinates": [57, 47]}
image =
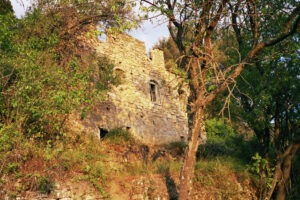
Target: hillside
{"type": "Point", "coordinates": [118, 167]}
{"type": "Point", "coordinates": [212, 113]}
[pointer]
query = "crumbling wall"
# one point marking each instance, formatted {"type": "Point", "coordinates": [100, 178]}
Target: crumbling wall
{"type": "Point", "coordinates": [150, 102]}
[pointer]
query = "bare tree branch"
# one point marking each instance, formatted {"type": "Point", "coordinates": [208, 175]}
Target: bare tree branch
{"type": "Point", "coordinates": [289, 29]}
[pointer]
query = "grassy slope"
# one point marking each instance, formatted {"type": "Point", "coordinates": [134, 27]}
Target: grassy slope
{"type": "Point", "coordinates": [117, 167]}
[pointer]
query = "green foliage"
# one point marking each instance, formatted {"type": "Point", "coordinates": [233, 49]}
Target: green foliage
{"type": "Point", "coordinates": [87, 161]}
{"type": "Point", "coordinates": [9, 137]}
{"type": "Point", "coordinates": [39, 182]}
{"type": "Point", "coordinates": [94, 174]}
{"type": "Point", "coordinates": [216, 128]}
{"type": "Point", "coordinates": [12, 167]}
{"type": "Point", "coordinates": [163, 168]}
{"type": "Point", "coordinates": [270, 99]}
{"type": "Point", "coordinates": [5, 7]}
{"type": "Point", "coordinates": [45, 186]}
{"type": "Point", "coordinates": [49, 69]}
{"type": "Point", "coordinates": [210, 174]}
{"type": "Point", "coordinates": [6, 33]}
{"type": "Point", "coordinates": [258, 163]}
{"type": "Point", "coordinates": [272, 84]}
{"type": "Point", "coordinates": [177, 71]}
{"type": "Point", "coordinates": [261, 168]}
{"type": "Point", "coordinates": [224, 143]}
{"type": "Point", "coordinates": [39, 88]}
{"type": "Point", "coordinates": [220, 139]}
{"type": "Point", "coordinates": [106, 76]}
{"type": "Point", "coordinates": [177, 148]}
{"type": "Point", "coordinates": [120, 136]}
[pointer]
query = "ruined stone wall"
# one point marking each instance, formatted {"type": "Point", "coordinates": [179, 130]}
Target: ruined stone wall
{"type": "Point", "coordinates": [150, 102]}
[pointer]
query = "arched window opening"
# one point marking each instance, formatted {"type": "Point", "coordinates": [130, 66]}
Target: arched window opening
{"type": "Point", "coordinates": [153, 91]}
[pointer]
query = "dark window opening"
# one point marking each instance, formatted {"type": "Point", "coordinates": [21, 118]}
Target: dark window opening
{"type": "Point", "coordinates": [153, 92]}
{"type": "Point", "coordinates": [182, 94]}
{"type": "Point", "coordinates": [182, 138]}
{"type": "Point", "coordinates": [102, 132]}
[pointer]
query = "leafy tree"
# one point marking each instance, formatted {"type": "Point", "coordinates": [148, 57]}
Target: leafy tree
{"type": "Point", "coordinates": [49, 65]}
{"type": "Point", "coordinates": [5, 7]}
{"type": "Point", "coordinates": [48, 69]}
{"type": "Point", "coordinates": [270, 102]}
{"type": "Point", "coordinates": [208, 21]}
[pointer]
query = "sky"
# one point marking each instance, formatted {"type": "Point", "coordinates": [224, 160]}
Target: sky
{"type": "Point", "coordinates": [149, 33]}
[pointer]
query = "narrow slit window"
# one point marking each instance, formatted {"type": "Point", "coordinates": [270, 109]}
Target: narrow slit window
{"type": "Point", "coordinates": [153, 92]}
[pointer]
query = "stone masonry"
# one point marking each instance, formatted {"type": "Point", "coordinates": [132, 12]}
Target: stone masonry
{"type": "Point", "coordinates": [150, 102]}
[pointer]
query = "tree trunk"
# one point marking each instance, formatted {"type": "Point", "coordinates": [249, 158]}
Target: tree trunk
{"type": "Point", "coordinates": [283, 170]}
{"type": "Point", "coordinates": [277, 174]}
{"type": "Point", "coordinates": [188, 168]}
{"type": "Point", "coordinates": [286, 170]}
{"type": "Point", "coordinates": [197, 74]}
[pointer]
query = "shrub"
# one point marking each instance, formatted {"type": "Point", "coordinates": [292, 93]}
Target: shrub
{"type": "Point", "coordinates": [163, 168]}
{"type": "Point", "coordinates": [37, 182]}
{"type": "Point", "coordinates": [9, 136]}
{"type": "Point", "coordinates": [220, 140]}
{"type": "Point", "coordinates": [94, 174]}
{"type": "Point", "coordinates": [215, 128]}
{"type": "Point", "coordinates": [12, 167]}
{"type": "Point", "coordinates": [177, 148]}
{"type": "Point", "coordinates": [120, 136]}
{"type": "Point", "coordinates": [45, 186]}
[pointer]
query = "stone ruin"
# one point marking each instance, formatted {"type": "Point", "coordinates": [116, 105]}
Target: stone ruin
{"type": "Point", "coordinates": [150, 102]}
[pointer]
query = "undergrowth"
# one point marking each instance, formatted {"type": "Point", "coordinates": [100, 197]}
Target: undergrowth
{"type": "Point", "coordinates": [223, 162]}
{"type": "Point", "coordinates": [37, 165]}
{"type": "Point", "coordinates": [120, 136]}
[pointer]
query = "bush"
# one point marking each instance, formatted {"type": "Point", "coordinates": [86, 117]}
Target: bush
{"type": "Point", "coordinates": [213, 149]}
{"type": "Point", "coordinates": [163, 168]}
{"type": "Point", "coordinates": [94, 175]}
{"type": "Point", "coordinates": [177, 148]}
{"type": "Point", "coordinates": [12, 167]}
{"type": "Point", "coordinates": [9, 136]}
{"type": "Point", "coordinates": [37, 182]}
{"type": "Point", "coordinates": [220, 140]}
{"type": "Point", "coordinates": [120, 136]}
{"type": "Point", "coordinates": [45, 186]}
{"type": "Point", "coordinates": [216, 128]}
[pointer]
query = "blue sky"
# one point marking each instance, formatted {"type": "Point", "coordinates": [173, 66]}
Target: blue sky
{"type": "Point", "coordinates": [148, 32]}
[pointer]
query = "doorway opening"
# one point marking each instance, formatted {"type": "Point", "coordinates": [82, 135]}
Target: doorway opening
{"type": "Point", "coordinates": [102, 132]}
